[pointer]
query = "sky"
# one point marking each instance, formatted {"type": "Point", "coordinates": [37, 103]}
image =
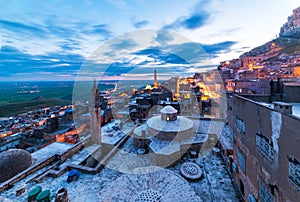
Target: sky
{"type": "Point", "coordinates": [128, 39]}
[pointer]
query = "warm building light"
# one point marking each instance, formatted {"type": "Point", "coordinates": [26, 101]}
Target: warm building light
{"type": "Point", "coordinates": [187, 96]}
{"type": "Point", "coordinates": [205, 97]}
{"type": "Point", "coordinates": [297, 71]}
{"type": "Point", "coordinates": [250, 66]}
{"type": "Point", "coordinates": [148, 87]}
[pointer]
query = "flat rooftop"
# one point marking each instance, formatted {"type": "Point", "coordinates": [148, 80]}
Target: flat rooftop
{"type": "Point", "coordinates": [50, 150]}
{"type": "Point", "coordinates": [295, 110]}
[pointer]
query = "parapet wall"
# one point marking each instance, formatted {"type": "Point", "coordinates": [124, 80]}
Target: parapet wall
{"type": "Point", "coordinates": [35, 167]}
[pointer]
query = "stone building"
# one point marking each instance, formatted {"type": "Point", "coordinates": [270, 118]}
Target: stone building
{"type": "Point", "coordinates": [95, 120]}
{"type": "Point", "coordinates": [266, 158]}
{"type": "Point", "coordinates": [168, 137]}
{"type": "Point", "coordinates": [248, 86]}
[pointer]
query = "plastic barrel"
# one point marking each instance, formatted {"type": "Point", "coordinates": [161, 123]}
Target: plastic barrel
{"type": "Point", "coordinates": [32, 194]}
{"type": "Point", "coordinates": [43, 196]}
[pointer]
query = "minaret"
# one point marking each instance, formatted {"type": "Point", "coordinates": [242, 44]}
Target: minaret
{"type": "Point", "coordinates": [155, 79]}
{"type": "Point", "coordinates": [95, 118]}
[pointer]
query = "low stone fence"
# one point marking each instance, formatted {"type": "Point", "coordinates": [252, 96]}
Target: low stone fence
{"type": "Point", "coordinates": [60, 158]}
{"type": "Point", "coordinates": [51, 172]}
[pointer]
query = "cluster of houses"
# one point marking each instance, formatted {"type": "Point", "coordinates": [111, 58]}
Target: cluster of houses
{"type": "Point", "coordinates": [253, 71]}
{"type": "Point", "coordinates": [35, 129]}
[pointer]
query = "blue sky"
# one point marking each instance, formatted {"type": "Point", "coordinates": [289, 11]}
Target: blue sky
{"type": "Point", "coordinates": [50, 40]}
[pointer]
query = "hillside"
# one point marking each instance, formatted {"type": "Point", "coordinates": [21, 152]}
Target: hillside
{"type": "Point", "coordinates": [22, 107]}
{"type": "Point", "coordinates": [292, 47]}
{"type": "Point", "coordinates": [285, 46]}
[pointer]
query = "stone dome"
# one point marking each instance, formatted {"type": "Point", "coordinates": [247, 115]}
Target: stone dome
{"type": "Point", "coordinates": [181, 128]}
{"type": "Point", "coordinates": [168, 113]}
{"type": "Point", "coordinates": [146, 185]}
{"type": "Point", "coordinates": [168, 110]}
{"type": "Point", "coordinates": [12, 162]}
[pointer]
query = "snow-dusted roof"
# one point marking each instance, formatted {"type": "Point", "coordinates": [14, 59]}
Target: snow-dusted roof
{"type": "Point", "coordinates": [162, 185]}
{"type": "Point", "coordinates": [180, 125]}
{"type": "Point", "coordinates": [168, 110]}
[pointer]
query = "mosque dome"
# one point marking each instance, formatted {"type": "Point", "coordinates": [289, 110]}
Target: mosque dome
{"type": "Point", "coordinates": [12, 162]}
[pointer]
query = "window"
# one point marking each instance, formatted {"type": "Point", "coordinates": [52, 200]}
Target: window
{"type": "Point", "coordinates": [241, 160]}
{"type": "Point", "coordinates": [251, 198]}
{"type": "Point", "coordinates": [265, 146]}
{"type": "Point", "coordinates": [240, 124]}
{"type": "Point", "coordinates": [234, 167]}
{"type": "Point", "coordinates": [294, 171]}
{"type": "Point", "coordinates": [264, 194]}
{"type": "Point", "coordinates": [242, 188]}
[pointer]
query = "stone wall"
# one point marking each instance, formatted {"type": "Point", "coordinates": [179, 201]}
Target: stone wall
{"type": "Point", "coordinates": [178, 136]}
{"type": "Point", "coordinates": [259, 98]}
{"type": "Point", "coordinates": [269, 166]}
{"type": "Point", "coordinates": [292, 92]}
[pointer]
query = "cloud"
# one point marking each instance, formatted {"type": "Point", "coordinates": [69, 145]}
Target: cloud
{"type": "Point", "coordinates": [118, 44]}
{"type": "Point", "coordinates": [23, 28]}
{"type": "Point", "coordinates": [198, 18]}
{"type": "Point", "coordinates": [191, 52]}
{"type": "Point", "coordinates": [163, 51]}
{"type": "Point", "coordinates": [241, 49]}
{"type": "Point", "coordinates": [52, 36]}
{"type": "Point", "coordinates": [137, 62]}
{"type": "Point", "coordinates": [14, 62]}
{"type": "Point", "coordinates": [233, 30]}
{"type": "Point", "coordinates": [218, 48]}
{"type": "Point", "coordinates": [140, 24]}
{"type": "Point", "coordinates": [100, 29]}
{"type": "Point", "coordinates": [163, 37]}
{"type": "Point", "coordinates": [194, 53]}
{"type": "Point", "coordinates": [163, 58]}
{"type": "Point", "coordinates": [191, 22]}
{"type": "Point", "coordinates": [120, 4]}
{"type": "Point", "coordinates": [118, 68]}
{"type": "Point", "coordinates": [69, 45]}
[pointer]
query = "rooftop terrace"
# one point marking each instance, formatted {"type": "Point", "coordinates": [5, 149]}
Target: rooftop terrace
{"type": "Point", "coordinates": [215, 184]}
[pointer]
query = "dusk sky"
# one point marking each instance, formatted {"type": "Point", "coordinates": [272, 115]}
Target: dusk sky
{"type": "Point", "coordinates": [49, 40]}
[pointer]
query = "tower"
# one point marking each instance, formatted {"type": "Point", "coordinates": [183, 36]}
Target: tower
{"type": "Point", "coordinates": [155, 79]}
{"type": "Point", "coordinates": [95, 119]}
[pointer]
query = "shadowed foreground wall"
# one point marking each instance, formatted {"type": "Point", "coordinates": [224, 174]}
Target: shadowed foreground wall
{"type": "Point", "coordinates": [266, 151]}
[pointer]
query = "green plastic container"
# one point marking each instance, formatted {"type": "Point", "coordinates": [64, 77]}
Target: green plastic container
{"type": "Point", "coordinates": [32, 194]}
{"type": "Point", "coordinates": [43, 196]}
